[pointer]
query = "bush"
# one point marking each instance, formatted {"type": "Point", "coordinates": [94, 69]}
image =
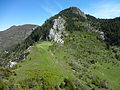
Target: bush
{"type": "Point", "coordinates": [2, 85]}
{"type": "Point", "coordinates": [99, 83]}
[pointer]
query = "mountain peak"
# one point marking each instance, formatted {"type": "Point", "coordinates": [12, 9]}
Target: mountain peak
{"type": "Point", "coordinates": [74, 10]}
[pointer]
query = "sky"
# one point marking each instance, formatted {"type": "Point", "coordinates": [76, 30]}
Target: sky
{"type": "Point", "coordinates": [19, 12]}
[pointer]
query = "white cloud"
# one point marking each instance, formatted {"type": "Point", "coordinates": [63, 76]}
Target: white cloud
{"type": "Point", "coordinates": [106, 10]}
{"type": "Point", "coordinates": [58, 5]}
{"type": "Point", "coordinates": [49, 10]}
{"type": "Point", "coordinates": [52, 9]}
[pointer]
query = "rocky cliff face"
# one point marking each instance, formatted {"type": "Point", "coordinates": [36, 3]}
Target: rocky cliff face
{"type": "Point", "coordinates": [57, 31]}
{"type": "Point", "coordinates": [91, 29]}
{"type": "Point", "coordinates": [78, 11]}
{"type": "Point", "coordinates": [75, 11]}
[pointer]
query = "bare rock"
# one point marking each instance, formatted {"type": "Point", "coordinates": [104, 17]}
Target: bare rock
{"type": "Point", "coordinates": [57, 30]}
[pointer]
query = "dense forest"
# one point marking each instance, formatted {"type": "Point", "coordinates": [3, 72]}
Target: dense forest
{"type": "Point", "coordinates": [111, 28]}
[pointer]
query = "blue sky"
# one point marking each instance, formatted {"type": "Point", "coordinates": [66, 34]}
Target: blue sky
{"type": "Point", "coordinates": [18, 12]}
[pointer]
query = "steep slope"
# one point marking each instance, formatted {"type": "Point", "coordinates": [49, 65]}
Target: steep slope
{"type": "Point", "coordinates": [110, 27]}
{"type": "Point", "coordinates": [68, 52]}
{"type": "Point", "coordinates": [93, 65]}
{"type": "Point", "coordinates": [15, 35]}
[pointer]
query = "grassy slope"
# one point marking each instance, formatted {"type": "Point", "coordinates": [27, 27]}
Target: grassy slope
{"type": "Point", "coordinates": [41, 64]}
{"type": "Point", "coordinates": [111, 75]}
{"type": "Point", "coordinates": [90, 60]}
{"type": "Point", "coordinates": [82, 57]}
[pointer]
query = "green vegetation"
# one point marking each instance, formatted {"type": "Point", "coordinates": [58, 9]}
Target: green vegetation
{"type": "Point", "coordinates": [111, 28]}
{"type": "Point", "coordinates": [82, 62]}
{"type": "Point", "coordinates": [41, 62]}
{"type": "Point", "coordinates": [93, 65]}
{"type": "Point", "coordinates": [39, 68]}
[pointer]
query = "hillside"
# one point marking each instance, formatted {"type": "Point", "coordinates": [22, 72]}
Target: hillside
{"type": "Point", "coordinates": [70, 51]}
{"type": "Point", "coordinates": [15, 35]}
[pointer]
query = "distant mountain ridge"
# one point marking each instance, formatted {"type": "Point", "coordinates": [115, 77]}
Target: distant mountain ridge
{"type": "Point", "coordinates": [15, 35]}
